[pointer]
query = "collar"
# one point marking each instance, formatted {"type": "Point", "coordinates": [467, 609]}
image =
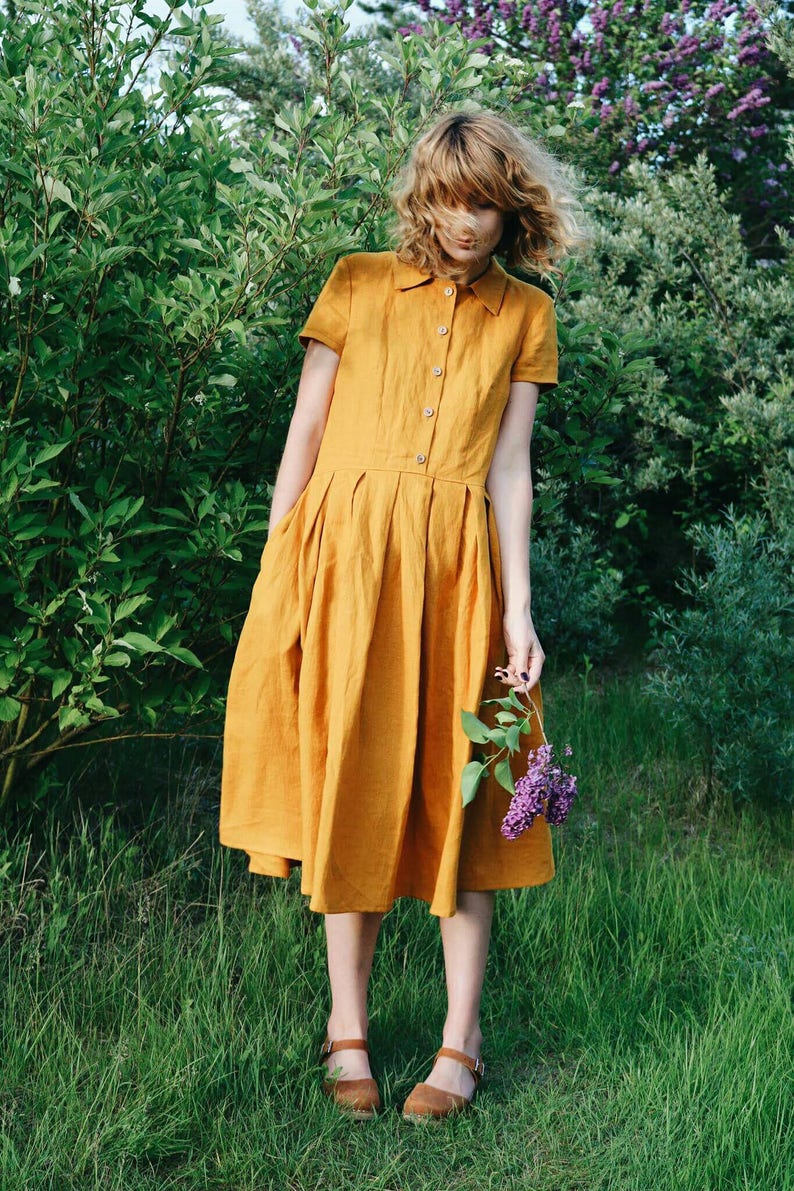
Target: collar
{"type": "Point", "coordinates": [489, 288]}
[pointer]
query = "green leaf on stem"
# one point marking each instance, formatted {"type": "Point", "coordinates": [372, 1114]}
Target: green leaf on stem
{"type": "Point", "coordinates": [503, 775]}
{"type": "Point", "coordinates": [512, 737]}
{"type": "Point", "coordinates": [505, 717]}
{"type": "Point", "coordinates": [474, 728]}
{"type": "Point", "coordinates": [470, 780]}
{"type": "Point", "coordinates": [11, 707]}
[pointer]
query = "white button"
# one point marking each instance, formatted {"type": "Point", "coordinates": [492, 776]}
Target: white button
{"type": "Point", "coordinates": [420, 458]}
{"type": "Point", "coordinates": [449, 291]}
{"type": "Point", "coordinates": [442, 330]}
{"type": "Point", "coordinates": [436, 371]}
{"type": "Point", "coordinates": [428, 411]}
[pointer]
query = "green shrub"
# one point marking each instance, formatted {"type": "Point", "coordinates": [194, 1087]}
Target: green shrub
{"type": "Point", "coordinates": [670, 265]}
{"type": "Point", "coordinates": [727, 659]}
{"type": "Point", "coordinates": [575, 595]}
{"type": "Point", "coordinates": [157, 260]}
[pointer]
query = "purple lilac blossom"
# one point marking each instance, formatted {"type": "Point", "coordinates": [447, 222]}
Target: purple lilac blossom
{"type": "Point", "coordinates": [754, 98]}
{"type": "Point", "coordinates": [598, 19]}
{"type": "Point", "coordinates": [545, 789]}
{"type": "Point", "coordinates": [688, 45]}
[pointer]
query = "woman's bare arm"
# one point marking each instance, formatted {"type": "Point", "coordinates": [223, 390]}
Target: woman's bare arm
{"type": "Point", "coordinates": [509, 485]}
{"type": "Point", "coordinates": [305, 433]}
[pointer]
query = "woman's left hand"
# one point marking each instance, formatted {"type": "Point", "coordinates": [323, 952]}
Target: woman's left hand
{"type": "Point", "coordinates": [524, 652]}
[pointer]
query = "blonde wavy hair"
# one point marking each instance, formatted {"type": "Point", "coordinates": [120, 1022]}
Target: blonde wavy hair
{"type": "Point", "coordinates": [477, 157]}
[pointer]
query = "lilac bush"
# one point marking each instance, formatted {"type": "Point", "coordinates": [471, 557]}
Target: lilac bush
{"type": "Point", "coordinates": [658, 82]}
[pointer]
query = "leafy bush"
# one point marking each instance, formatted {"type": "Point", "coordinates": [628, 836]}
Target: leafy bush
{"type": "Point", "coordinates": [157, 262]}
{"type": "Point", "coordinates": [726, 661]}
{"type": "Point", "coordinates": [670, 265]}
{"type": "Point", "coordinates": [575, 595]}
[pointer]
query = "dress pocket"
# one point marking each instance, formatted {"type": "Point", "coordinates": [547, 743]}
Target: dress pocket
{"type": "Point", "coordinates": [281, 527]}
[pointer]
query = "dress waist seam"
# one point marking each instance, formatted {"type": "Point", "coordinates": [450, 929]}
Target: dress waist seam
{"type": "Point", "coordinates": [327, 471]}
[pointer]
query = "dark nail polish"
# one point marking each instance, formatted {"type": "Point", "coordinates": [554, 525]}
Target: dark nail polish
{"type": "Point", "coordinates": [524, 676]}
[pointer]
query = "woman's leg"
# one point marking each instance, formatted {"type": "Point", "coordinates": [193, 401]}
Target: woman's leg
{"type": "Point", "coordinates": [465, 939]}
{"type": "Point", "coordinates": [351, 942]}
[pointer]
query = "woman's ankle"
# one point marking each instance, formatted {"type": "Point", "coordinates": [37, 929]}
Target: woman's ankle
{"type": "Point", "coordinates": [467, 1038]}
{"type": "Point", "coordinates": [347, 1026]}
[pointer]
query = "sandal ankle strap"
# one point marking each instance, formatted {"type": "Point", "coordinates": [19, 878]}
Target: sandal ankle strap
{"type": "Point", "coordinates": [476, 1066]}
{"type": "Point", "coordinates": [330, 1048]}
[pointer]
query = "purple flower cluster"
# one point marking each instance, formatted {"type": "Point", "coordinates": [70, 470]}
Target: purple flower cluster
{"type": "Point", "coordinates": [699, 55]}
{"type": "Point", "coordinates": [546, 789]}
{"type": "Point", "coordinates": [720, 10]}
{"type": "Point", "coordinates": [754, 99]}
{"type": "Point", "coordinates": [600, 88]}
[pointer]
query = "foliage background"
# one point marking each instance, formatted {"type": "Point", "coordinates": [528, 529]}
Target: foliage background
{"type": "Point", "coordinates": [169, 210]}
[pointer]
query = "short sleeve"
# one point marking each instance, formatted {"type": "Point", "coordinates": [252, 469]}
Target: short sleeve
{"type": "Point", "coordinates": [330, 314]}
{"type": "Point", "coordinates": [537, 359]}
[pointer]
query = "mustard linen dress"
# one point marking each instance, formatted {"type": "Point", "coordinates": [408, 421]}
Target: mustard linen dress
{"type": "Point", "coordinates": [376, 615]}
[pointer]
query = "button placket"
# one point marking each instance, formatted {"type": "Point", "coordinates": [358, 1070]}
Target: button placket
{"type": "Point", "coordinates": [438, 370]}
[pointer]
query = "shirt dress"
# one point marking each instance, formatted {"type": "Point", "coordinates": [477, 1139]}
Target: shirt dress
{"type": "Point", "coordinates": [377, 612]}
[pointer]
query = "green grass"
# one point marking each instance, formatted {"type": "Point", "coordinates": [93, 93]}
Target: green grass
{"type": "Point", "coordinates": [163, 1008]}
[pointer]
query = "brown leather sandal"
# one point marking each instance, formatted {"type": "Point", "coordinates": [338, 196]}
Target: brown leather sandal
{"type": "Point", "coordinates": [426, 1101]}
{"type": "Point", "coordinates": [359, 1097]}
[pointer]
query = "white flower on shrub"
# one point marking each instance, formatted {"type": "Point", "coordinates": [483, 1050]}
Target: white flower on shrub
{"type": "Point", "coordinates": [14, 288]}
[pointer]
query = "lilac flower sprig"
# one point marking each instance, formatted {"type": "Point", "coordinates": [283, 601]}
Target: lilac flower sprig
{"type": "Point", "coordinates": [545, 789]}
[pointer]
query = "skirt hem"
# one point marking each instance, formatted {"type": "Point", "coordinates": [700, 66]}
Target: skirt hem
{"type": "Point", "coordinates": [281, 867]}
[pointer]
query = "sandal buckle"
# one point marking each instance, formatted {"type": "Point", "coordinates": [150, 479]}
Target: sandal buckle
{"type": "Point", "coordinates": [479, 1068]}
{"type": "Point", "coordinates": [326, 1049]}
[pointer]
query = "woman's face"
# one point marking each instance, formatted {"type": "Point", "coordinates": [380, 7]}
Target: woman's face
{"type": "Point", "coordinates": [472, 234]}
